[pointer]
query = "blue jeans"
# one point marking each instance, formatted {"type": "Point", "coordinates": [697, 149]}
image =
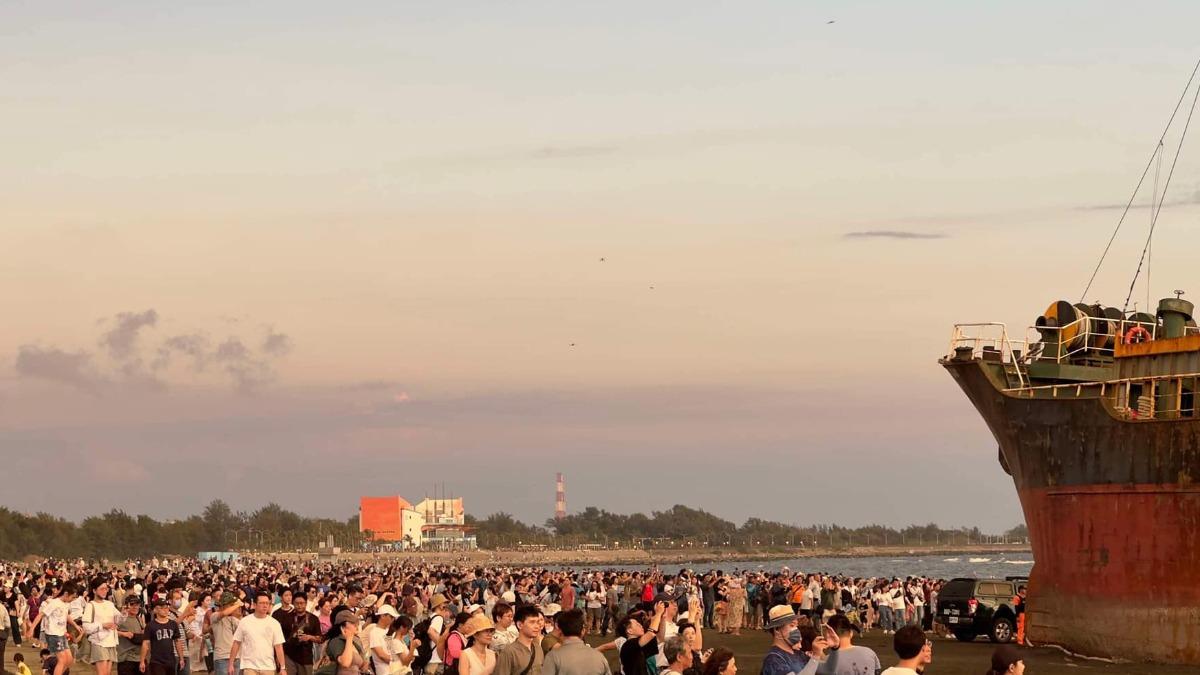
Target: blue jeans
{"type": "Point", "coordinates": [885, 618]}
{"type": "Point", "coordinates": [221, 667]}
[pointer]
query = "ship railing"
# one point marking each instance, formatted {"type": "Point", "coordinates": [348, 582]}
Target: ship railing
{"type": "Point", "coordinates": [1158, 397]}
{"type": "Point", "coordinates": [1089, 336]}
{"type": "Point", "coordinates": [989, 340]}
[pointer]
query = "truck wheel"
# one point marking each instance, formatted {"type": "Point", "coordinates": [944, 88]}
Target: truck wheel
{"type": "Point", "coordinates": [1002, 630]}
{"type": "Point", "coordinates": [964, 635]}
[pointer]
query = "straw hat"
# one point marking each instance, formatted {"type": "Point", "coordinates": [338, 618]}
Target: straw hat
{"type": "Point", "coordinates": [780, 615]}
{"type": "Point", "coordinates": [437, 601]}
{"type": "Point", "coordinates": [477, 623]}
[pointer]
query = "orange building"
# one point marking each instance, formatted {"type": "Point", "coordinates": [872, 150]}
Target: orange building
{"type": "Point", "coordinates": [383, 516]}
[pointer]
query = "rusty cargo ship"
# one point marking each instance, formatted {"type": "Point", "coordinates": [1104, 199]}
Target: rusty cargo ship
{"type": "Point", "coordinates": [1095, 414]}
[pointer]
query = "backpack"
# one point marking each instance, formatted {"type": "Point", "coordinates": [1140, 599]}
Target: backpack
{"type": "Point", "coordinates": [425, 649]}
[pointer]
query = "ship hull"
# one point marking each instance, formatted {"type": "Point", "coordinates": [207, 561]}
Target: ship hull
{"type": "Point", "coordinates": [1113, 517]}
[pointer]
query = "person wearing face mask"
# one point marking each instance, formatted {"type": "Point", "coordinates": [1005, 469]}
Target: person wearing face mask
{"type": "Point", "coordinates": [787, 656]}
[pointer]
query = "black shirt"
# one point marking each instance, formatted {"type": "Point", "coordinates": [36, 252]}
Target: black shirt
{"type": "Point", "coordinates": [634, 655]}
{"type": "Point", "coordinates": [162, 637]}
{"type": "Point", "coordinates": [295, 624]}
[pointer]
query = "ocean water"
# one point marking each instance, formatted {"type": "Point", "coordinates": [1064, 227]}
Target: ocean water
{"type": "Point", "coordinates": [997, 565]}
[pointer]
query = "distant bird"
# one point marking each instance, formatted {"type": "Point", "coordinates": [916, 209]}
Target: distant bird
{"type": "Point", "coordinates": [572, 344]}
{"type": "Point", "coordinates": [651, 288]}
{"type": "Point", "coordinates": [602, 260]}
{"type": "Point", "coordinates": [829, 22]}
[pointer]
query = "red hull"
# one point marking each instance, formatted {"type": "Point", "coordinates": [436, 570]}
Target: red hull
{"type": "Point", "coordinates": [1117, 571]}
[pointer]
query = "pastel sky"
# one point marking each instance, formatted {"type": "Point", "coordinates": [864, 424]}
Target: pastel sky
{"type": "Point", "coordinates": [699, 253]}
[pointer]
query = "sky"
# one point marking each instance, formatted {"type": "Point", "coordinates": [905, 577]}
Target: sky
{"type": "Point", "coordinates": [697, 253]}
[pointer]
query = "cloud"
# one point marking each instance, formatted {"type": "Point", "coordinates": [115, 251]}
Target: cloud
{"type": "Point", "coordinates": [276, 344]}
{"type": "Point", "coordinates": [53, 364]}
{"type": "Point", "coordinates": [247, 371]}
{"type": "Point", "coordinates": [120, 362]}
{"type": "Point", "coordinates": [121, 340]}
{"type": "Point", "coordinates": [893, 234]}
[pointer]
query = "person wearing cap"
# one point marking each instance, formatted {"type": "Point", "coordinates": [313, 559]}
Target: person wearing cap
{"type": "Point", "coordinates": [852, 659]}
{"type": "Point", "coordinates": [786, 654]}
{"type": "Point", "coordinates": [130, 632]}
{"type": "Point", "coordinates": [258, 641]}
{"type": "Point", "coordinates": [163, 649]}
{"type": "Point", "coordinates": [478, 658]}
{"type": "Point", "coordinates": [913, 650]}
{"type": "Point", "coordinates": [344, 648]}
{"type": "Point", "coordinates": [377, 640]}
{"type": "Point", "coordinates": [1006, 660]}
{"type": "Point", "coordinates": [220, 625]}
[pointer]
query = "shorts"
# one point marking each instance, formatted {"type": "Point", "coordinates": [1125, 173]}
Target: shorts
{"type": "Point", "coordinates": [57, 643]}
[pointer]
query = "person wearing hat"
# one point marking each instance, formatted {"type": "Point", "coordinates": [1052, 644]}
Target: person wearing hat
{"type": "Point", "coordinates": [130, 629]}
{"type": "Point", "coordinates": [478, 658]}
{"type": "Point", "coordinates": [786, 655]}
{"type": "Point", "coordinates": [1006, 660]}
{"type": "Point", "coordinates": [435, 637]}
{"type": "Point", "coordinates": [163, 649]}
{"type": "Point", "coordinates": [344, 648]}
{"type": "Point", "coordinates": [221, 623]}
{"type": "Point", "coordinates": [852, 658]}
{"type": "Point", "coordinates": [377, 640]}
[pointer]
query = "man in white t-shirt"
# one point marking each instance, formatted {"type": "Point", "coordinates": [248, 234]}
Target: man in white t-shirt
{"type": "Point", "coordinates": [378, 645]}
{"type": "Point", "coordinates": [258, 642]}
{"type": "Point", "coordinates": [440, 607]}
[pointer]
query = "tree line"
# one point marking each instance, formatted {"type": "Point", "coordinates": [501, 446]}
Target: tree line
{"type": "Point", "coordinates": [117, 535]}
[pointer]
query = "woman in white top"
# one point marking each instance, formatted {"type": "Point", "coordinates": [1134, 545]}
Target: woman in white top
{"type": "Point", "coordinates": [99, 619]}
{"type": "Point", "coordinates": [477, 658]}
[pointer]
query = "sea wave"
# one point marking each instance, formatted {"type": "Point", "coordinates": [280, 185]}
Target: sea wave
{"type": "Point", "coordinates": [951, 559]}
{"type": "Point", "coordinates": [1018, 562]}
{"type": "Point", "coordinates": [980, 560]}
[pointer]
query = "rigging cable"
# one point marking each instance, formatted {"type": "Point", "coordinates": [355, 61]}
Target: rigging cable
{"type": "Point", "coordinates": [1166, 186]}
{"type": "Point", "coordinates": [1145, 171]}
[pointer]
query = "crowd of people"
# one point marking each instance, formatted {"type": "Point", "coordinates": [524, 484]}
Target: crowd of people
{"type": "Point", "coordinates": [277, 617]}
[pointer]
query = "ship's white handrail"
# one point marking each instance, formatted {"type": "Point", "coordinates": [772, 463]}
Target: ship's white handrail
{"type": "Point", "coordinates": [991, 334]}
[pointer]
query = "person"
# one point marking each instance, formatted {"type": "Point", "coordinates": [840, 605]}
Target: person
{"type": "Point", "coordinates": [506, 631]}
{"type": "Point", "coordinates": [1019, 606]}
{"type": "Point", "coordinates": [574, 656]}
{"type": "Point", "coordinates": [100, 624]}
{"type": "Point", "coordinates": [258, 641]}
{"type": "Point", "coordinates": [852, 659]}
{"type": "Point", "coordinates": [913, 650]}
{"type": "Point", "coordinates": [131, 631]}
{"type": "Point", "coordinates": [163, 649]}
{"type": "Point", "coordinates": [19, 664]}
{"type": "Point", "coordinates": [49, 662]}
{"type": "Point", "coordinates": [1006, 660]}
{"type": "Point", "coordinates": [56, 621]}
{"type": "Point", "coordinates": [679, 656]}
{"type": "Point", "coordinates": [639, 652]}
{"type": "Point", "coordinates": [301, 631]}
{"type": "Point", "coordinates": [720, 662]}
{"type": "Point", "coordinates": [404, 652]}
{"type": "Point", "coordinates": [5, 622]}
{"type": "Point", "coordinates": [478, 658]}
{"type": "Point", "coordinates": [378, 644]}
{"type": "Point", "coordinates": [551, 636]}
{"type": "Point", "coordinates": [735, 595]}
{"type": "Point", "coordinates": [222, 622]}
{"type": "Point", "coordinates": [523, 656]}
{"type": "Point", "coordinates": [437, 629]}
{"type": "Point", "coordinates": [345, 649]}
{"type": "Point", "coordinates": [785, 656]}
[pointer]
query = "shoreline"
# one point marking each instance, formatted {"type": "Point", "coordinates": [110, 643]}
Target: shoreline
{"type": "Point", "coordinates": [650, 557]}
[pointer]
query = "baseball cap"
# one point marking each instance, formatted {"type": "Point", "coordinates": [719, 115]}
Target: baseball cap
{"type": "Point", "coordinates": [388, 610]}
{"type": "Point", "coordinates": [842, 623]}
